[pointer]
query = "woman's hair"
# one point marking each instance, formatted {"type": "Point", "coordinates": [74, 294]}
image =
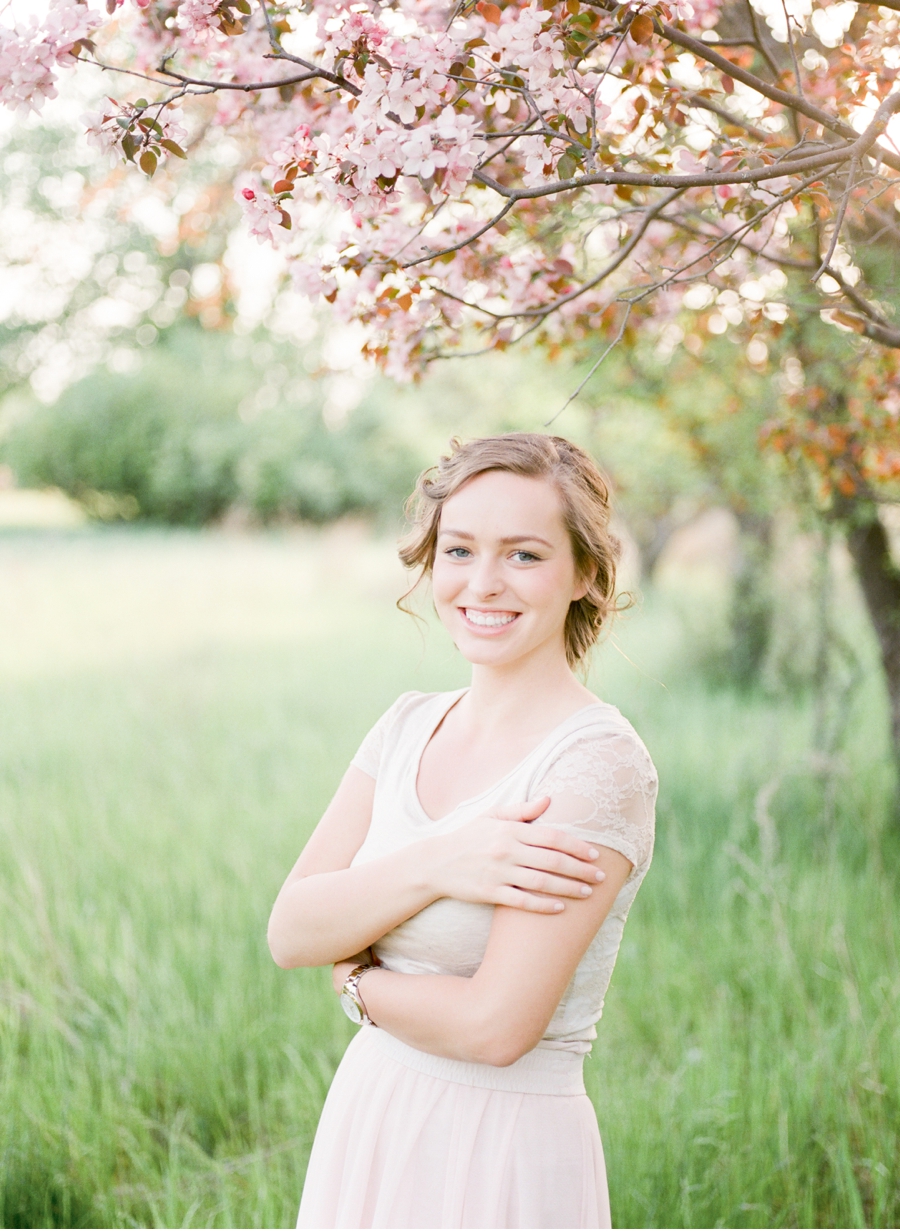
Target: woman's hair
{"type": "Point", "coordinates": [583, 492]}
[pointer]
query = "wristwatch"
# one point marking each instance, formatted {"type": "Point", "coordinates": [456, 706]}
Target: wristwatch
{"type": "Point", "coordinates": [351, 1000]}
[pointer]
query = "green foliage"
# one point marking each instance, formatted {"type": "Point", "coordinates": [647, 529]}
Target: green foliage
{"type": "Point", "coordinates": [210, 421]}
{"type": "Point", "coordinates": [169, 740]}
{"type": "Point", "coordinates": [184, 439]}
{"type": "Point", "coordinates": [681, 435]}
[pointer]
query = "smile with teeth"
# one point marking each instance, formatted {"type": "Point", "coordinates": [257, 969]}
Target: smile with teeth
{"type": "Point", "coordinates": [489, 619]}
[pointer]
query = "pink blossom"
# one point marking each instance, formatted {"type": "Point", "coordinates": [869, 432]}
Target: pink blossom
{"type": "Point", "coordinates": [30, 53]}
{"type": "Point", "coordinates": [393, 169]}
{"type": "Point", "coordinates": [262, 214]}
{"type": "Point", "coordinates": [195, 16]}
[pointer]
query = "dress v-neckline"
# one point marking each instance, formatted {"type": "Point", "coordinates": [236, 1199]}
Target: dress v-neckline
{"type": "Point", "coordinates": [455, 698]}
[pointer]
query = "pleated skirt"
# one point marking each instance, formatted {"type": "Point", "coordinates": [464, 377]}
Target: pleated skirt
{"type": "Point", "coordinates": [407, 1139]}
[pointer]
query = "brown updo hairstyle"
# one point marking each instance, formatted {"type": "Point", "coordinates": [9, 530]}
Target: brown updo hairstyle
{"type": "Point", "coordinates": [583, 492]}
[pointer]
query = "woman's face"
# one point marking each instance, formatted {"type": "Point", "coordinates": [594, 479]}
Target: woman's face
{"type": "Point", "coordinates": [504, 574]}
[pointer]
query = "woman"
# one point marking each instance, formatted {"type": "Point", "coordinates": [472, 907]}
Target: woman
{"type": "Point", "coordinates": [471, 877]}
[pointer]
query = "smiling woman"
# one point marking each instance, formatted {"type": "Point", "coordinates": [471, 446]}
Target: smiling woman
{"type": "Point", "coordinates": [472, 876]}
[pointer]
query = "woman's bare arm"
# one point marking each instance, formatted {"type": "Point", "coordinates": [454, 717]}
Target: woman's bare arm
{"type": "Point", "coordinates": [503, 1011]}
{"type": "Point", "coordinates": [327, 910]}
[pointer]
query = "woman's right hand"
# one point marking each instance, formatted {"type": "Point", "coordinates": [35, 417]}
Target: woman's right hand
{"type": "Point", "coordinates": [502, 860]}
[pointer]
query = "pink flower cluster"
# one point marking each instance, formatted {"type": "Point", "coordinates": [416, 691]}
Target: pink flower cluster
{"type": "Point", "coordinates": [264, 218]}
{"type": "Point", "coordinates": [374, 177]}
{"type": "Point", "coordinates": [30, 53]}
{"type": "Point", "coordinates": [197, 16]}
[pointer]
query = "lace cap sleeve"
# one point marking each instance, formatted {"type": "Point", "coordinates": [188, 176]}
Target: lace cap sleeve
{"type": "Point", "coordinates": [368, 755]}
{"type": "Point", "coordinates": [602, 788]}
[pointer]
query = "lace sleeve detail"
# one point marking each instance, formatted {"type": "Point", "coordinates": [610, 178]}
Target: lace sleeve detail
{"type": "Point", "coordinates": [368, 755]}
{"type": "Point", "coordinates": [603, 788]}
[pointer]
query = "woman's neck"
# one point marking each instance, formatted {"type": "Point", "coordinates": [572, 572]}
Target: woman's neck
{"type": "Point", "coordinates": [534, 693]}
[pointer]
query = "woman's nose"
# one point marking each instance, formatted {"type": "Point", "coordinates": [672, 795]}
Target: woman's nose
{"type": "Point", "coordinates": [486, 581]}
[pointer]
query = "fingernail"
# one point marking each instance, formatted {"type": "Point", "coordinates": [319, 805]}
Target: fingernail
{"type": "Point", "coordinates": [601, 876]}
{"type": "Point", "coordinates": [585, 890]}
{"type": "Point", "coordinates": [557, 906]}
{"type": "Point", "coordinates": [592, 854]}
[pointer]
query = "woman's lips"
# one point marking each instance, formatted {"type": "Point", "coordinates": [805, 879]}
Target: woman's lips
{"type": "Point", "coordinates": [487, 622]}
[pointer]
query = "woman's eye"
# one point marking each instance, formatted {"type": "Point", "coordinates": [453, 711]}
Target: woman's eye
{"type": "Point", "coordinates": [457, 553]}
{"type": "Point", "coordinates": [525, 557]}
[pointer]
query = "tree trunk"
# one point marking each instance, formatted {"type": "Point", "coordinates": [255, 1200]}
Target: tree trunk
{"type": "Point", "coordinates": [880, 580]}
{"type": "Point", "coordinates": [751, 602]}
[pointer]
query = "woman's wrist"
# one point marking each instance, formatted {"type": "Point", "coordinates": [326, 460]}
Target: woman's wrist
{"type": "Point", "coordinates": [428, 858]}
{"type": "Point", "coordinates": [342, 970]}
{"type": "Point", "coordinates": [340, 973]}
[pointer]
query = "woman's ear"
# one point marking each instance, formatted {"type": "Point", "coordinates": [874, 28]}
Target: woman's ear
{"type": "Point", "coordinates": [582, 585]}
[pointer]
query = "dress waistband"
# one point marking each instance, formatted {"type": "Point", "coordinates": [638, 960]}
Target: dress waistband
{"type": "Point", "coordinates": [541, 1071]}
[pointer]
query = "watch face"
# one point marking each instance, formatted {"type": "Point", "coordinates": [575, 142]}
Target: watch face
{"type": "Point", "coordinates": [351, 1008]}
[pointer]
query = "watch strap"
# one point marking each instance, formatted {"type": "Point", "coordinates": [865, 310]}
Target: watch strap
{"type": "Point", "coordinates": [351, 987]}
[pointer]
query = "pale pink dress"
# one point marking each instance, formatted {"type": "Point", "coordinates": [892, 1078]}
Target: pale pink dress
{"type": "Point", "coordinates": [408, 1139]}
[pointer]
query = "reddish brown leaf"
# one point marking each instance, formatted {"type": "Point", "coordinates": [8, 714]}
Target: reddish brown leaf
{"type": "Point", "coordinates": [490, 12]}
{"type": "Point", "coordinates": [148, 162]}
{"type": "Point", "coordinates": [641, 28]}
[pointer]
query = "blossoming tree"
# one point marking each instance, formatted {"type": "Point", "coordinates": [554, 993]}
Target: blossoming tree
{"type": "Point", "coordinates": [466, 174]}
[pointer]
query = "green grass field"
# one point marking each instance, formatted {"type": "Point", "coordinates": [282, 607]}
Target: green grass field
{"type": "Point", "coordinates": [175, 710]}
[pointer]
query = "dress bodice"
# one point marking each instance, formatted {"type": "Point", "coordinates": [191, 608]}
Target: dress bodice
{"type": "Point", "coordinates": [594, 759]}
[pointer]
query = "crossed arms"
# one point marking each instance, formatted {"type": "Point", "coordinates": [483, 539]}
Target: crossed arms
{"type": "Point", "coordinates": [328, 911]}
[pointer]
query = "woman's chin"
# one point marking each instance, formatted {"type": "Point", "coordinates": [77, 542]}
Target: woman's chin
{"type": "Point", "coordinates": [488, 652]}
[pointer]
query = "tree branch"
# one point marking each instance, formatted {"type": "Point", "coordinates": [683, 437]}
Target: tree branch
{"type": "Point", "coordinates": [463, 243]}
{"type": "Point", "coordinates": [839, 221]}
{"type": "Point", "coordinates": [706, 51]}
{"type": "Point", "coordinates": [834, 157]}
{"type": "Point", "coordinates": [790, 33]}
{"type": "Point", "coordinates": [759, 42]}
{"type": "Point", "coordinates": [868, 310]}
{"type": "Point", "coordinates": [697, 100]}
{"type": "Point", "coordinates": [169, 75]}
{"type": "Point", "coordinates": [615, 342]}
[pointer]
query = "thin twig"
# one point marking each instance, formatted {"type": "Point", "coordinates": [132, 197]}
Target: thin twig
{"type": "Point", "coordinates": [695, 100]}
{"type": "Point", "coordinates": [788, 22]}
{"type": "Point", "coordinates": [463, 243]}
{"type": "Point", "coordinates": [615, 342]}
{"type": "Point", "coordinates": [838, 222]}
{"type": "Point", "coordinates": [760, 43]}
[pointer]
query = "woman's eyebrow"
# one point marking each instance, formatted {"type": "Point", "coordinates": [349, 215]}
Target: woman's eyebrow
{"type": "Point", "coordinates": [525, 538]}
{"type": "Point", "coordinates": [510, 539]}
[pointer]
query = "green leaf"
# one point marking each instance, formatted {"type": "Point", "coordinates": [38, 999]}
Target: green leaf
{"type": "Point", "coordinates": [168, 144]}
{"type": "Point", "coordinates": [148, 161]}
{"type": "Point", "coordinates": [141, 104]}
{"type": "Point", "coordinates": [567, 167]}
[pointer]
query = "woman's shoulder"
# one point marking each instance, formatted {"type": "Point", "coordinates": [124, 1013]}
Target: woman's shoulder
{"type": "Point", "coordinates": [409, 713]}
{"type": "Point", "coordinates": [413, 704]}
{"type": "Point", "coordinates": [600, 734]}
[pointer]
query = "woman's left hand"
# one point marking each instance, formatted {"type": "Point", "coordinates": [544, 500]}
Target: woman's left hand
{"type": "Point", "coordinates": [341, 970]}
